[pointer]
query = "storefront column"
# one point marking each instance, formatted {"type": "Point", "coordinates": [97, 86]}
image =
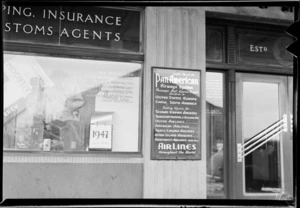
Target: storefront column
{"type": "Point", "coordinates": [175, 37]}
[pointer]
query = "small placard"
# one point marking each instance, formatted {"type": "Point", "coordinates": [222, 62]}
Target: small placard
{"type": "Point", "coordinates": [100, 136]}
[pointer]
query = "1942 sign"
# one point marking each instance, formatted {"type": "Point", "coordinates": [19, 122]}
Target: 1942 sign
{"type": "Point", "coordinates": [176, 114]}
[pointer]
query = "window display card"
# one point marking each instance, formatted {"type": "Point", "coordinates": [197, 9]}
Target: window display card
{"type": "Point", "coordinates": [100, 136]}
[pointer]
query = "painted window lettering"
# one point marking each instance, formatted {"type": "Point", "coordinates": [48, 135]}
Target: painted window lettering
{"type": "Point", "coordinates": [258, 49]}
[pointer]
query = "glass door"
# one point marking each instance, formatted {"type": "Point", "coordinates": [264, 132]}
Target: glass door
{"type": "Point", "coordinates": [263, 162]}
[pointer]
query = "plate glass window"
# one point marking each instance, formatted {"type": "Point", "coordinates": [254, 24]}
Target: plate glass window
{"type": "Point", "coordinates": [215, 115]}
{"type": "Point", "coordinates": [67, 104]}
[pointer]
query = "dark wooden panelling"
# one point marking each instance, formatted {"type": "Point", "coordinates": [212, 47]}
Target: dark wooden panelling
{"type": "Point", "coordinates": [231, 50]}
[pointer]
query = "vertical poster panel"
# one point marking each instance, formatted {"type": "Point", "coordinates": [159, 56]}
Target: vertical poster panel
{"type": "Point", "coordinates": [176, 114]}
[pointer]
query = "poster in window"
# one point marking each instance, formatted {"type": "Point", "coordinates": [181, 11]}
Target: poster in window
{"type": "Point", "coordinates": [100, 136]}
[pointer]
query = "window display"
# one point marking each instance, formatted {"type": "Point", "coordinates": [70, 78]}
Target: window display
{"type": "Point", "coordinates": [66, 104]}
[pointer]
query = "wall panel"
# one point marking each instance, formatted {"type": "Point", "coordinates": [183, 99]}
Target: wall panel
{"type": "Point", "coordinates": [175, 37]}
{"type": "Point", "coordinates": [69, 180]}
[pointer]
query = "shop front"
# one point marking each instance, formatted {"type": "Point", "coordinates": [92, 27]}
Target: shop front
{"type": "Point", "coordinates": [73, 101]}
{"type": "Point", "coordinates": [249, 110]}
{"type": "Point", "coordinates": [147, 102]}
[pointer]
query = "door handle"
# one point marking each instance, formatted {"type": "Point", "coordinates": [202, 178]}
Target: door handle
{"type": "Point", "coordinates": [285, 125]}
{"type": "Point", "coordinates": [291, 122]}
{"type": "Point", "coordinates": [239, 152]}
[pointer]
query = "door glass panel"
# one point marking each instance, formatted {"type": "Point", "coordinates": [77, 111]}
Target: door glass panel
{"type": "Point", "coordinates": [261, 110]}
{"type": "Point", "coordinates": [215, 133]}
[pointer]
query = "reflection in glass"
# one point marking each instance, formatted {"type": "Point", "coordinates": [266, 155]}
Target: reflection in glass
{"type": "Point", "coordinates": [215, 134]}
{"type": "Point", "coordinates": [214, 44]}
{"type": "Point", "coordinates": [50, 102]}
{"type": "Point", "coordinates": [260, 110]}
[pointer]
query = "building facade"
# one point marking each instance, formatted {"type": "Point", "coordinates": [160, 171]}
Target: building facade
{"type": "Point", "coordinates": [152, 102]}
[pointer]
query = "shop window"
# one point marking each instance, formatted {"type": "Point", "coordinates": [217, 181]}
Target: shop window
{"type": "Point", "coordinates": [215, 116]}
{"type": "Point", "coordinates": [214, 44]}
{"type": "Point", "coordinates": [66, 104]}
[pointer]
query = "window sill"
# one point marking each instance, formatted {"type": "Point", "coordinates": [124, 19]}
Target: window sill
{"type": "Point", "coordinates": [16, 156]}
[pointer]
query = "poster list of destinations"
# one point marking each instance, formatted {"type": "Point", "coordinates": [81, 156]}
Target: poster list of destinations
{"type": "Point", "coordinates": [176, 114]}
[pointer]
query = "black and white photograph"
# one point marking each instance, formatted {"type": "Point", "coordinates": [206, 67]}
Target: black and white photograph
{"type": "Point", "coordinates": [191, 104]}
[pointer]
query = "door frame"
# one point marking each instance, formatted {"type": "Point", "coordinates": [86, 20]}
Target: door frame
{"type": "Point", "coordinates": [237, 176]}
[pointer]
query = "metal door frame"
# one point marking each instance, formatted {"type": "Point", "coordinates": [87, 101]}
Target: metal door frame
{"type": "Point", "coordinates": [285, 99]}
